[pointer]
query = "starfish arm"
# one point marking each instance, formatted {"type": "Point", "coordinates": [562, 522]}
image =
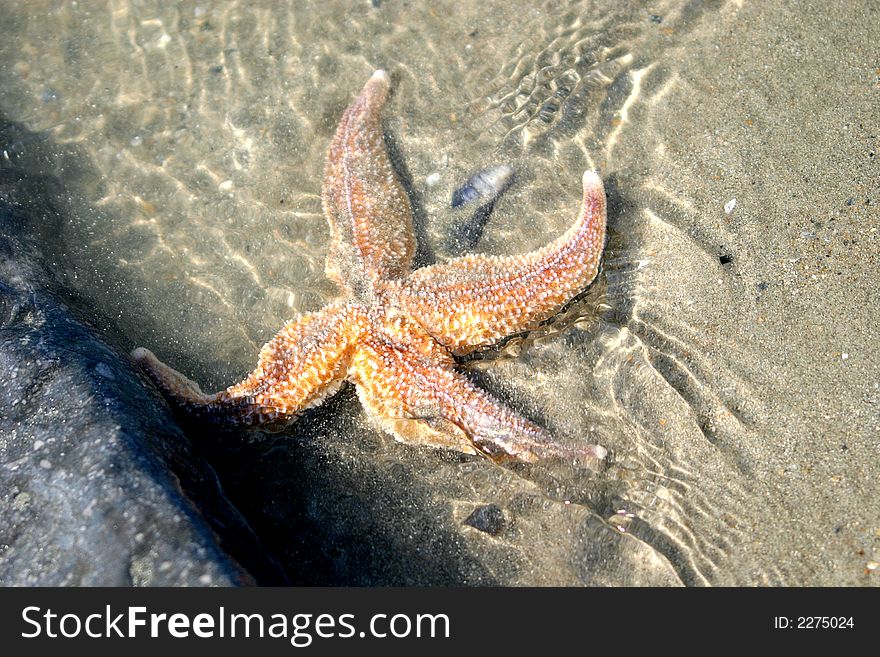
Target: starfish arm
{"type": "Point", "coordinates": [368, 211]}
{"type": "Point", "coordinates": [476, 300]}
{"type": "Point", "coordinates": [297, 369]}
{"type": "Point", "coordinates": [423, 400]}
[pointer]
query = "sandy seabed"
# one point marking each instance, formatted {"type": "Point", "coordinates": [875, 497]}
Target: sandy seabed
{"type": "Point", "coordinates": [727, 356]}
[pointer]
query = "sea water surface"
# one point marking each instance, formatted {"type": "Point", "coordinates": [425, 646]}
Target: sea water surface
{"type": "Point", "coordinates": [724, 356]}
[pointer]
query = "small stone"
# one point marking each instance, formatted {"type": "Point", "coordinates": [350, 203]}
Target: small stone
{"type": "Point", "coordinates": [488, 518]}
{"type": "Point", "coordinates": [21, 501]}
{"type": "Point", "coordinates": [104, 370]}
{"type": "Point", "coordinates": [486, 185]}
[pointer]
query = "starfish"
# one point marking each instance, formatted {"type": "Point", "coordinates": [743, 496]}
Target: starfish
{"type": "Point", "coordinates": [396, 332]}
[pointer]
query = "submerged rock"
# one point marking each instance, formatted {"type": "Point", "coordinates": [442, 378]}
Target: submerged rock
{"type": "Point", "coordinates": [488, 518]}
{"type": "Point", "coordinates": [97, 485]}
{"type": "Point", "coordinates": [484, 186]}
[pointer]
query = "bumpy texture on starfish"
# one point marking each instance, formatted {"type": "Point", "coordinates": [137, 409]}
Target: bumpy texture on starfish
{"type": "Point", "coordinates": [396, 332]}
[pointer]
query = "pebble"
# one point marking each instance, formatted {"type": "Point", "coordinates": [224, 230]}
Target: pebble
{"type": "Point", "coordinates": [485, 185]}
{"type": "Point", "coordinates": [488, 519]}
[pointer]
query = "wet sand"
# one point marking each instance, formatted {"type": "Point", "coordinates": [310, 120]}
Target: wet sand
{"type": "Point", "coordinates": [726, 356]}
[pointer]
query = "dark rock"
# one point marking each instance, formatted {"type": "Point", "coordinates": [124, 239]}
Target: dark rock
{"type": "Point", "coordinates": [488, 518]}
{"type": "Point", "coordinates": [97, 485]}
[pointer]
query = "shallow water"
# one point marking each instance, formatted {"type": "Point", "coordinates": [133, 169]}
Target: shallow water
{"type": "Point", "coordinates": [723, 357]}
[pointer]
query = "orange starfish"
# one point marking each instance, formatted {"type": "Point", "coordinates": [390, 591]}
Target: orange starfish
{"type": "Point", "coordinates": [395, 333]}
